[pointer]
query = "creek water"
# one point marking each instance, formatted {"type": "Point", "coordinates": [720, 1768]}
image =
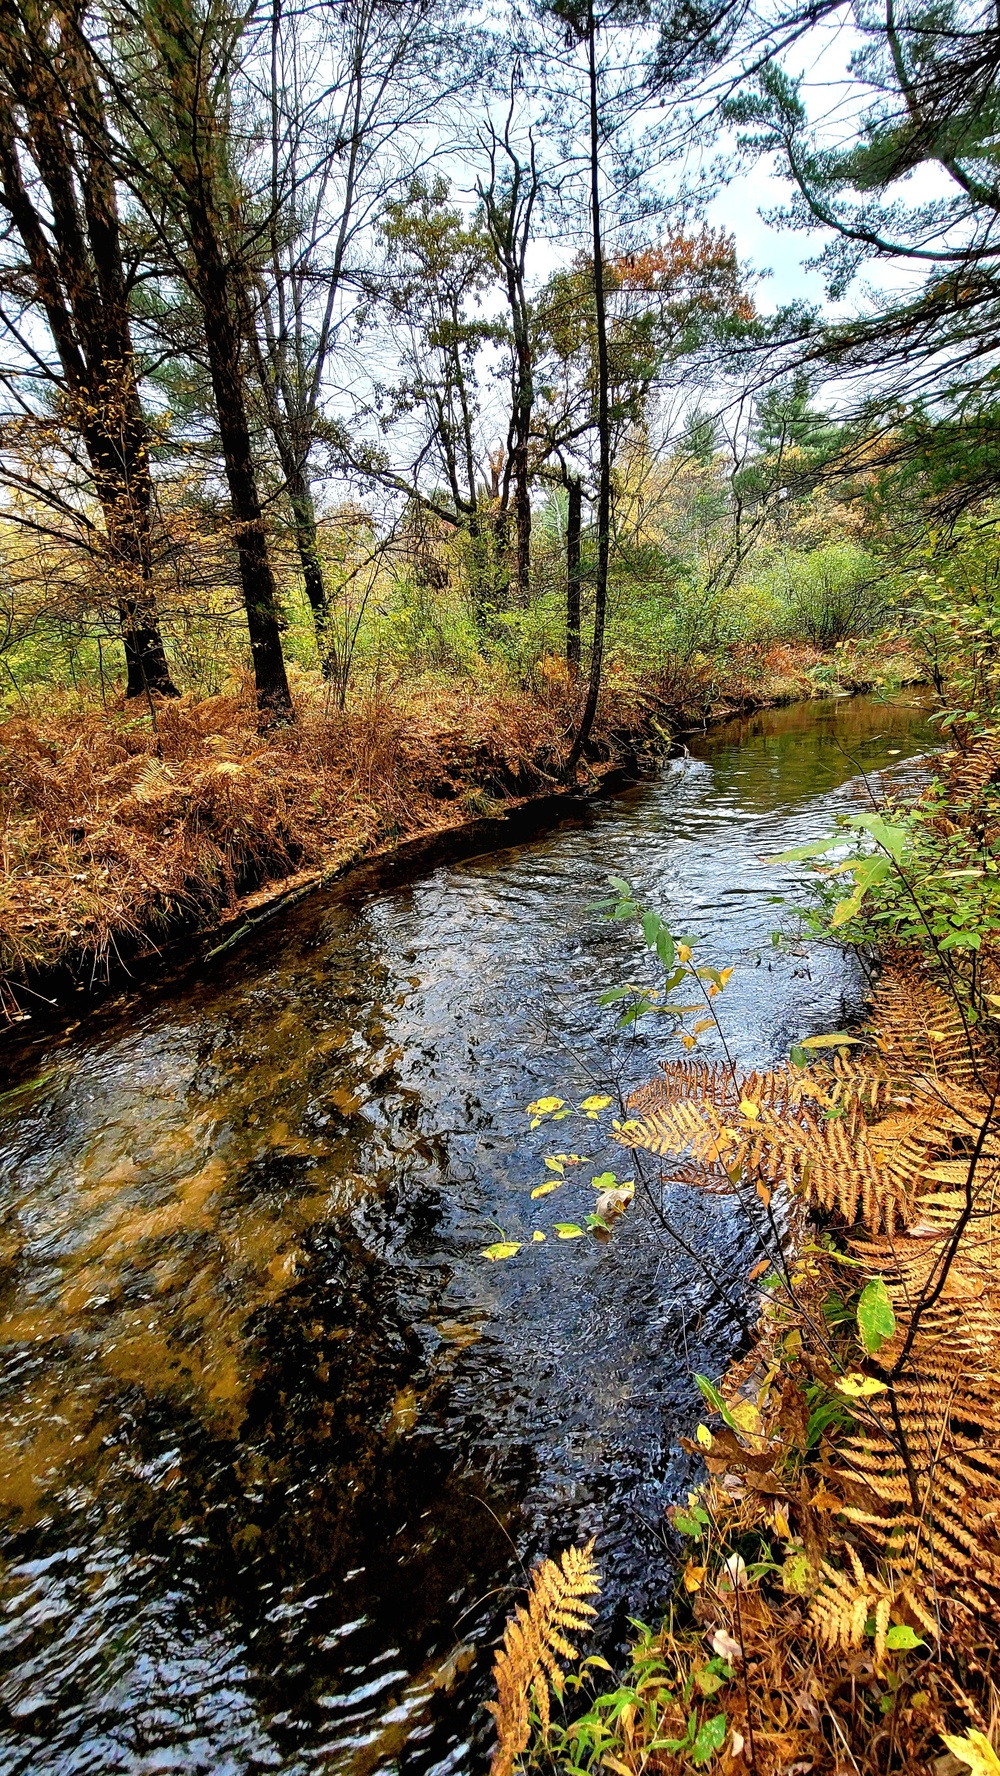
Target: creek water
{"type": "Point", "coordinates": [276, 1441]}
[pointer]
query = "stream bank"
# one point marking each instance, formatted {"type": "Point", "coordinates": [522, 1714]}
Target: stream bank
{"type": "Point", "coordinates": [277, 1443]}
{"type": "Point", "coordinates": [131, 851]}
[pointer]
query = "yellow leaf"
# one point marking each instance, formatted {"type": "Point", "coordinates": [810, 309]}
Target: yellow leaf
{"type": "Point", "coordinates": [567, 1230]}
{"type": "Point", "coordinates": [703, 1024]}
{"type": "Point", "coordinates": [860, 1387]}
{"type": "Point", "coordinates": [725, 975]}
{"type": "Point", "coordinates": [749, 1108]}
{"type": "Point", "coordinates": [704, 1436]}
{"type": "Point", "coordinates": [502, 1249]}
{"type": "Point", "coordinates": [835, 1041]}
{"type": "Point", "coordinates": [693, 1576]}
{"type": "Point", "coordinates": [595, 1103]}
{"type": "Point", "coordinates": [683, 952]}
{"type": "Point", "coordinates": [688, 1041]}
{"type": "Point", "coordinates": [747, 1416]}
{"type": "Point", "coordinates": [974, 1749]}
{"type": "Point", "coordinates": [763, 1193]}
{"type": "Point", "coordinates": [544, 1106]}
{"type": "Point", "coordinates": [937, 1036]}
{"type": "Point", "coordinates": [537, 1236]}
{"type": "Point", "coordinates": [545, 1189]}
{"type": "Point", "coordinates": [554, 1163]}
{"type": "Point", "coordinates": [782, 1527]}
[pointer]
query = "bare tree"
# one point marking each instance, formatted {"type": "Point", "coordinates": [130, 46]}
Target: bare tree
{"type": "Point", "coordinates": [348, 99]}
{"type": "Point", "coordinates": [60, 198]}
{"type": "Point", "coordinates": [172, 70]}
{"type": "Point", "coordinates": [509, 198]}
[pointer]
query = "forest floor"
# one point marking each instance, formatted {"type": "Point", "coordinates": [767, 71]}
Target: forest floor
{"type": "Point", "coordinates": [122, 825]}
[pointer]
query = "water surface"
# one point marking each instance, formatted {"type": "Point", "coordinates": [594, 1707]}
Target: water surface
{"type": "Point", "coordinates": [276, 1442]}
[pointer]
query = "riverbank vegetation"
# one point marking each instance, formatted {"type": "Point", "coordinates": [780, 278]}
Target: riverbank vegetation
{"type": "Point", "coordinates": [384, 434]}
{"type": "Point", "coordinates": [389, 435]}
{"type": "Point", "coordinates": [838, 1565]}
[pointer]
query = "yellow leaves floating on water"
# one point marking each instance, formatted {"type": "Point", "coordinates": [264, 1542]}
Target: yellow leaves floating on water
{"type": "Point", "coordinates": [592, 1107]}
{"type": "Point", "coordinates": [542, 1107]}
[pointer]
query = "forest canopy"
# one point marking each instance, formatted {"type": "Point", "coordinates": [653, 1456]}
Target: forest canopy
{"type": "Point", "coordinates": [377, 336]}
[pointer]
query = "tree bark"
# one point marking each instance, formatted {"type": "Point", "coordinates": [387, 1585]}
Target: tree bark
{"type": "Point", "coordinates": [307, 543]}
{"type": "Point", "coordinates": [603, 416]}
{"type": "Point", "coordinates": [213, 281]}
{"type": "Point", "coordinates": [574, 525]}
{"type": "Point", "coordinates": [79, 283]}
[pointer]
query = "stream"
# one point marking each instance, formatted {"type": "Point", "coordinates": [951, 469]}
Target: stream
{"type": "Point", "coordinates": [276, 1442]}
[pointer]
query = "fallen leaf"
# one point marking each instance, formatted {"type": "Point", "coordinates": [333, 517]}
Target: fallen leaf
{"type": "Point", "coordinates": [725, 1647]}
{"type": "Point", "coordinates": [973, 1749]}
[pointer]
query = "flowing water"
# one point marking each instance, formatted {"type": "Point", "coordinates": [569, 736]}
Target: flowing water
{"type": "Point", "coordinates": [276, 1441]}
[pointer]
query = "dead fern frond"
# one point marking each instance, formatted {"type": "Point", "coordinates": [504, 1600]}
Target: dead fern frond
{"type": "Point", "coordinates": [535, 1648]}
{"type": "Point", "coordinates": [921, 1030]}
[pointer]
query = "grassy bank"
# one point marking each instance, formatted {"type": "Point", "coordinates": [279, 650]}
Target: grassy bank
{"type": "Point", "coordinates": [124, 823]}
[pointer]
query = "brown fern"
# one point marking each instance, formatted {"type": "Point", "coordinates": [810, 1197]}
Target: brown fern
{"type": "Point", "coordinates": [535, 1648]}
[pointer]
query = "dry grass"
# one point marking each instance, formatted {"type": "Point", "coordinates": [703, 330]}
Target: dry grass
{"type": "Point", "coordinates": [112, 828]}
{"type": "Point", "coordinates": [115, 829]}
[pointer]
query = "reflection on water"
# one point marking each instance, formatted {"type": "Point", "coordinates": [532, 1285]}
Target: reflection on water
{"type": "Point", "coordinates": [276, 1442]}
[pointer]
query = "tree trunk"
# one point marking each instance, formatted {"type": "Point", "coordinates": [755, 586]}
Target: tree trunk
{"type": "Point", "coordinates": [121, 481]}
{"type": "Point", "coordinates": [522, 506]}
{"type": "Point", "coordinates": [79, 283]}
{"type": "Point", "coordinates": [274, 703]}
{"type": "Point", "coordinates": [307, 543]}
{"type": "Point", "coordinates": [574, 525]}
{"type": "Point", "coordinates": [603, 416]}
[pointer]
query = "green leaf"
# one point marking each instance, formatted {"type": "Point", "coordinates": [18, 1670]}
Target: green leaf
{"type": "Point", "coordinates": [665, 947]}
{"type": "Point", "coordinates": [717, 1403]}
{"type": "Point", "coordinates": [845, 910]}
{"type": "Point", "coordinates": [902, 1639]}
{"type": "Point", "coordinates": [568, 1230]}
{"type": "Point", "coordinates": [620, 887]}
{"type": "Point", "coordinates": [801, 853]}
{"type": "Point", "coordinates": [876, 1319]}
{"type": "Point", "coordinates": [891, 838]}
{"type": "Point", "coordinates": [651, 923]}
{"type": "Point", "coordinates": [686, 1526]}
{"type": "Point", "coordinates": [709, 1739]}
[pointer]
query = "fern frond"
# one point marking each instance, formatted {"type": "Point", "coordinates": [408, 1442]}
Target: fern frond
{"type": "Point", "coordinates": [921, 1030]}
{"type": "Point", "coordinates": [535, 1647]}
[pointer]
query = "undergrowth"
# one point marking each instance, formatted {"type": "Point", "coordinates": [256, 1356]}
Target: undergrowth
{"type": "Point", "coordinates": [840, 1562]}
{"type": "Point", "coordinates": [119, 823]}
